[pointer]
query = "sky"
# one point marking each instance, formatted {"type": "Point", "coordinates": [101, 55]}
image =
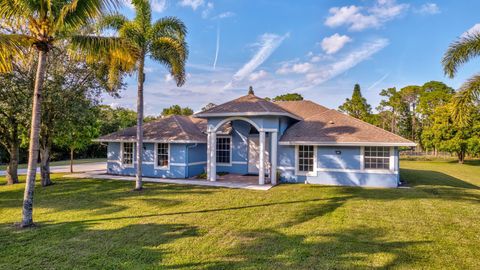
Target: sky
{"type": "Point", "coordinates": [319, 49]}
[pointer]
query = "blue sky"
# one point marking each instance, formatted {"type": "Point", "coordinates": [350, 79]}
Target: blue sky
{"type": "Point", "coordinates": [319, 49]}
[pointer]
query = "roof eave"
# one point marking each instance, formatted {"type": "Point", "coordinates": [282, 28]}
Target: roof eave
{"type": "Point", "coordinates": [407, 144]}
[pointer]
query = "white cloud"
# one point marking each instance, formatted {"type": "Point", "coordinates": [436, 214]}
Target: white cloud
{"type": "Point", "coordinates": [428, 8]}
{"type": "Point", "coordinates": [334, 43]}
{"type": "Point", "coordinates": [256, 76]}
{"type": "Point", "coordinates": [168, 77]}
{"type": "Point", "coordinates": [298, 68]}
{"type": "Point", "coordinates": [266, 46]}
{"type": "Point", "coordinates": [473, 30]}
{"type": "Point", "coordinates": [360, 18]}
{"type": "Point", "coordinates": [159, 5]}
{"type": "Point", "coordinates": [194, 4]}
{"type": "Point", "coordinates": [326, 72]}
{"type": "Point", "coordinates": [224, 15]}
{"type": "Point", "coordinates": [207, 10]}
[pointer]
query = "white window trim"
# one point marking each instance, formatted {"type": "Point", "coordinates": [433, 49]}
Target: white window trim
{"type": "Point", "coordinates": [312, 173]}
{"type": "Point", "coordinates": [155, 159]}
{"type": "Point", "coordinates": [133, 157]}
{"type": "Point", "coordinates": [231, 150]}
{"type": "Point", "coordinates": [391, 162]}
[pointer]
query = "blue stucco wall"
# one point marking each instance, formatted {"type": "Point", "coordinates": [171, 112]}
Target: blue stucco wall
{"type": "Point", "coordinates": [178, 167]}
{"type": "Point", "coordinates": [330, 164]}
{"type": "Point", "coordinates": [239, 164]}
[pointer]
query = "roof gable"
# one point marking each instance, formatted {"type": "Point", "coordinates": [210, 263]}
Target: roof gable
{"type": "Point", "coordinates": [246, 105]}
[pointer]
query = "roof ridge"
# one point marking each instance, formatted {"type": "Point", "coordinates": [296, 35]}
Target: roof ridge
{"type": "Point", "coordinates": [371, 125]}
{"type": "Point", "coordinates": [179, 125]}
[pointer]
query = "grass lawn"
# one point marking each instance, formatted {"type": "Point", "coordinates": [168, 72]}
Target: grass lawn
{"type": "Point", "coordinates": [62, 162]}
{"type": "Point", "coordinates": [104, 225]}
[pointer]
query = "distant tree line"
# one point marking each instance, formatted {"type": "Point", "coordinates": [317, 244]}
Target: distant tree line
{"type": "Point", "coordinates": [423, 114]}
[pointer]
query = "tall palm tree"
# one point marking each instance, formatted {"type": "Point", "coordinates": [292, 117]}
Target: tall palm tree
{"type": "Point", "coordinates": [162, 41]}
{"type": "Point", "coordinates": [460, 52]}
{"type": "Point", "coordinates": [48, 22]}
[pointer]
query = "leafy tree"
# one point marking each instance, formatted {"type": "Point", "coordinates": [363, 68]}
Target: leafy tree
{"type": "Point", "coordinates": [162, 41]}
{"type": "Point", "coordinates": [113, 119]}
{"type": "Point", "coordinates": [395, 111]}
{"type": "Point", "coordinates": [357, 106]}
{"type": "Point", "coordinates": [15, 97]}
{"type": "Point", "coordinates": [79, 129]}
{"type": "Point", "coordinates": [410, 96]}
{"type": "Point", "coordinates": [433, 94]}
{"type": "Point", "coordinates": [446, 134]}
{"type": "Point", "coordinates": [288, 97]}
{"type": "Point", "coordinates": [460, 52]}
{"type": "Point", "coordinates": [72, 88]}
{"type": "Point", "coordinates": [48, 23]}
{"type": "Point", "coordinates": [176, 109]}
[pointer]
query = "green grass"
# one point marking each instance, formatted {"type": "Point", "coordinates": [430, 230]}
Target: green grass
{"type": "Point", "coordinates": [62, 162]}
{"type": "Point", "coordinates": [104, 225]}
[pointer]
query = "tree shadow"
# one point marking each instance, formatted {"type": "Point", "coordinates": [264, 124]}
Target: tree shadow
{"type": "Point", "coordinates": [417, 178]}
{"type": "Point", "coordinates": [352, 248]}
{"type": "Point", "coordinates": [75, 244]}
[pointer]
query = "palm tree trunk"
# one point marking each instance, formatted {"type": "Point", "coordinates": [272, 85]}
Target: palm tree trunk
{"type": "Point", "coordinates": [27, 211]}
{"type": "Point", "coordinates": [12, 168]}
{"type": "Point", "coordinates": [141, 79]}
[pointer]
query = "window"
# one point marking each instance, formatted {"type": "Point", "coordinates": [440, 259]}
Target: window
{"type": "Point", "coordinates": [162, 155]}
{"type": "Point", "coordinates": [127, 153]}
{"type": "Point", "coordinates": [223, 150]}
{"type": "Point", "coordinates": [377, 157]}
{"type": "Point", "coordinates": [306, 158]}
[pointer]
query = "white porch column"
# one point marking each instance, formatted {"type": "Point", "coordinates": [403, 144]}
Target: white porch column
{"type": "Point", "coordinates": [261, 170]}
{"type": "Point", "coordinates": [209, 159]}
{"type": "Point", "coordinates": [213, 157]}
{"type": "Point", "coordinates": [273, 155]}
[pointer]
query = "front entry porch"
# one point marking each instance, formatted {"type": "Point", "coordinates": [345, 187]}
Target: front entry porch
{"type": "Point", "coordinates": [258, 147]}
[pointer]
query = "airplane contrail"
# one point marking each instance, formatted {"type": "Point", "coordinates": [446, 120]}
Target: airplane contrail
{"type": "Point", "coordinates": [218, 48]}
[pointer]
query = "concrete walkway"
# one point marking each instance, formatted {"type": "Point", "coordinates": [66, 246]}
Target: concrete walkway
{"type": "Point", "coordinates": [100, 174]}
{"type": "Point", "coordinates": [84, 167]}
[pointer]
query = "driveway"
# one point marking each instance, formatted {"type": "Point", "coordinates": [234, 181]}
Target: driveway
{"type": "Point", "coordinates": [85, 167]}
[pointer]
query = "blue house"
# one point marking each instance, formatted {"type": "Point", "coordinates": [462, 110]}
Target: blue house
{"type": "Point", "coordinates": [287, 141]}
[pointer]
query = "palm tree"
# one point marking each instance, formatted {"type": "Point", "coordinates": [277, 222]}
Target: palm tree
{"type": "Point", "coordinates": [162, 41]}
{"type": "Point", "coordinates": [48, 23]}
{"type": "Point", "coordinates": [460, 52]}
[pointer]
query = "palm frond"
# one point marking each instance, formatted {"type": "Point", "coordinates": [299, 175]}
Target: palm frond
{"type": "Point", "coordinates": [79, 12]}
{"type": "Point", "coordinates": [143, 13]}
{"type": "Point", "coordinates": [112, 21]}
{"type": "Point", "coordinates": [12, 46]}
{"type": "Point", "coordinates": [14, 9]}
{"type": "Point", "coordinates": [169, 27]}
{"type": "Point", "coordinates": [465, 99]}
{"type": "Point", "coordinates": [460, 52]}
{"type": "Point", "coordinates": [96, 46]}
{"type": "Point", "coordinates": [173, 54]}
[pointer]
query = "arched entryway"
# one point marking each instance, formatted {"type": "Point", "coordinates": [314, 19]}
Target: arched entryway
{"type": "Point", "coordinates": [265, 140]}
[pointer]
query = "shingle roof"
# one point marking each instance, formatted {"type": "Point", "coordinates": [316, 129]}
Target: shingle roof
{"type": "Point", "coordinates": [246, 105]}
{"type": "Point", "coordinates": [333, 127]}
{"type": "Point", "coordinates": [302, 108]}
{"type": "Point", "coordinates": [174, 128]}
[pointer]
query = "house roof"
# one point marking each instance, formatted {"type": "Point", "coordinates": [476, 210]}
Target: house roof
{"type": "Point", "coordinates": [247, 105]}
{"type": "Point", "coordinates": [174, 128]}
{"type": "Point", "coordinates": [330, 127]}
{"type": "Point", "coordinates": [302, 108]}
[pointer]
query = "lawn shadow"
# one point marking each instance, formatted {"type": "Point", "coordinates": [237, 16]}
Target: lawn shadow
{"type": "Point", "coordinates": [352, 248]}
{"type": "Point", "coordinates": [74, 244]}
{"type": "Point", "coordinates": [416, 178]}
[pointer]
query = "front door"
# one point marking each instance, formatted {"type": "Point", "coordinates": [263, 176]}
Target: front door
{"type": "Point", "coordinates": [254, 154]}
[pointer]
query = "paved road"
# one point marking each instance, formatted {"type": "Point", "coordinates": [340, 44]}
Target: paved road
{"type": "Point", "coordinates": [85, 167]}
